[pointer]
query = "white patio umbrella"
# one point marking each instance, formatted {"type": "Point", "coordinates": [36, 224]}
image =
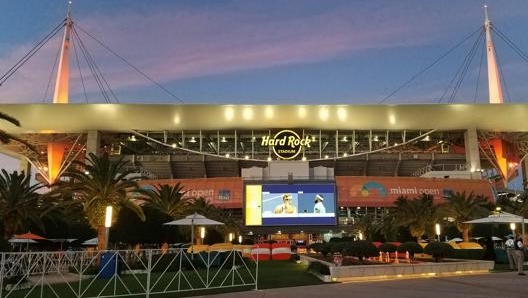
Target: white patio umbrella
{"type": "Point", "coordinates": [192, 220]}
{"type": "Point", "coordinates": [26, 241]}
{"type": "Point", "coordinates": [16, 240]}
{"type": "Point", "coordinates": [501, 217]}
{"type": "Point", "coordinates": [92, 241]}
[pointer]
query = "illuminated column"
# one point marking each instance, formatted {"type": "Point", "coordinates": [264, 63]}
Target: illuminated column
{"type": "Point", "coordinates": [202, 234]}
{"type": "Point", "coordinates": [108, 224]}
{"type": "Point", "coordinates": [472, 153]}
{"type": "Point", "coordinates": [93, 142]}
{"type": "Point", "coordinates": [437, 230]}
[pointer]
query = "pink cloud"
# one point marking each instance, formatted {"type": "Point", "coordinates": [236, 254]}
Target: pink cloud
{"type": "Point", "coordinates": [171, 45]}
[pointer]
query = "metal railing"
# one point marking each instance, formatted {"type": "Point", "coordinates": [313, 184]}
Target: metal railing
{"type": "Point", "coordinates": [122, 273]}
{"type": "Point", "coordinates": [439, 167]}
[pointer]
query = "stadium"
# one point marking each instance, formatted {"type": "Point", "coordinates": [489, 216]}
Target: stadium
{"type": "Point", "coordinates": [245, 158]}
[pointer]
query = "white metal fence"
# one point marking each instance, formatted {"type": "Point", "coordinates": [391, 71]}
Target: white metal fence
{"type": "Point", "coordinates": [122, 273]}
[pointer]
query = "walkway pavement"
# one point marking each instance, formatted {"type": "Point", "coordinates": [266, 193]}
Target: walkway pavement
{"type": "Point", "coordinates": [504, 285]}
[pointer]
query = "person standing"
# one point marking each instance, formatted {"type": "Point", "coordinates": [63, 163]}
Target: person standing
{"type": "Point", "coordinates": [510, 252]}
{"type": "Point", "coordinates": [319, 206]}
{"type": "Point", "coordinates": [519, 254]}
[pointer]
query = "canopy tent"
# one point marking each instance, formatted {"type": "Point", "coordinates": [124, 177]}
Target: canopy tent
{"type": "Point", "coordinates": [192, 220]}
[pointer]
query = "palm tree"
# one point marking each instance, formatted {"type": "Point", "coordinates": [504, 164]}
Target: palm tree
{"type": "Point", "coordinates": [20, 203]}
{"type": "Point", "coordinates": [98, 183]}
{"type": "Point", "coordinates": [419, 215]}
{"type": "Point", "coordinates": [365, 224]}
{"type": "Point", "coordinates": [6, 138]}
{"type": "Point", "coordinates": [388, 226]}
{"type": "Point", "coordinates": [167, 199]}
{"type": "Point", "coordinates": [202, 206]}
{"type": "Point", "coordinates": [461, 208]}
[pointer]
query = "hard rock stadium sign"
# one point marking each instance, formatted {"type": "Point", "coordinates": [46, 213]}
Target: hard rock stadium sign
{"type": "Point", "coordinates": [286, 143]}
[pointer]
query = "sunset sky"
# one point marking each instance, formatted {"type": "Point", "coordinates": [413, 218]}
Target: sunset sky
{"type": "Point", "coordinates": [274, 52]}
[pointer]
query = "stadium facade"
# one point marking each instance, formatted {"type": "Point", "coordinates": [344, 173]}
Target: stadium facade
{"type": "Point", "coordinates": [245, 157]}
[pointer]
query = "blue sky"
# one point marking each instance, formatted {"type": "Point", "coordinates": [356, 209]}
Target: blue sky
{"type": "Point", "coordinates": [273, 52]}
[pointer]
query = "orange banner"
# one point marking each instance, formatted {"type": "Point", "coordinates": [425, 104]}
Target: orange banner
{"type": "Point", "coordinates": [351, 191]}
{"type": "Point", "coordinates": [383, 191]}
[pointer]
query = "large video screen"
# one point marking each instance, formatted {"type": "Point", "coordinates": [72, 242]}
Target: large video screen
{"type": "Point", "coordinates": [290, 204]}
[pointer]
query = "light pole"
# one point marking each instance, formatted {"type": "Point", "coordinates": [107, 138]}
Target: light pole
{"type": "Point", "coordinates": [108, 224]}
{"type": "Point", "coordinates": [202, 233]}
{"type": "Point", "coordinates": [437, 229]}
{"type": "Point", "coordinates": [231, 236]}
{"type": "Point", "coordinates": [512, 227]}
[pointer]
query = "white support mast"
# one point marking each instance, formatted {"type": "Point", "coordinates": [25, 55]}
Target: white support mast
{"type": "Point", "coordinates": [56, 149]}
{"type": "Point", "coordinates": [494, 83]}
{"type": "Point", "coordinates": [63, 70]}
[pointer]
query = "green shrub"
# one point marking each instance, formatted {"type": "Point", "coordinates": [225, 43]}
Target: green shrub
{"type": "Point", "coordinates": [468, 254]}
{"type": "Point", "coordinates": [295, 258]}
{"type": "Point", "coordinates": [335, 239]}
{"type": "Point", "coordinates": [207, 259]}
{"type": "Point", "coordinates": [337, 247]}
{"type": "Point", "coordinates": [231, 257]}
{"type": "Point", "coordinates": [439, 250]}
{"type": "Point", "coordinates": [361, 249]}
{"type": "Point", "coordinates": [171, 262]}
{"type": "Point", "coordinates": [322, 248]}
{"type": "Point", "coordinates": [387, 247]}
{"type": "Point", "coordinates": [412, 247]}
{"type": "Point", "coordinates": [318, 268]}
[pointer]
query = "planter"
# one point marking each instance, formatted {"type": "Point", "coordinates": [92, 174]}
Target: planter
{"type": "Point", "coordinates": [389, 271]}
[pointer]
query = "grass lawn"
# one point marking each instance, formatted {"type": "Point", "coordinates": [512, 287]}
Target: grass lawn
{"type": "Point", "coordinates": [280, 274]}
{"type": "Point", "coordinates": [271, 274]}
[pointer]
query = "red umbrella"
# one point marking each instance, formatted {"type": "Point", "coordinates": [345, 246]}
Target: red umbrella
{"type": "Point", "coordinates": [29, 235]}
